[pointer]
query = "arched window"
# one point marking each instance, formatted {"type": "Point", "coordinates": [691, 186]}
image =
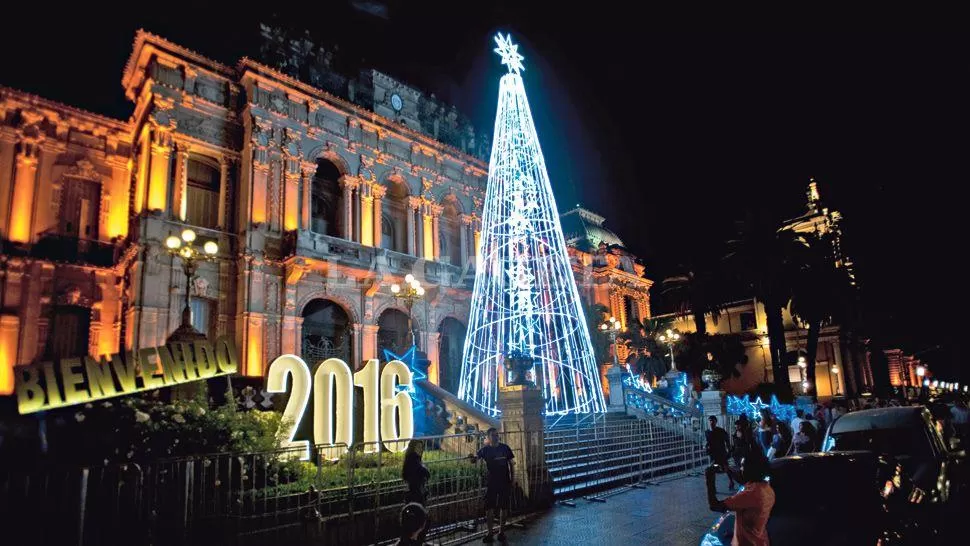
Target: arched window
{"type": "Point", "coordinates": [450, 233]}
{"type": "Point", "coordinates": [326, 332]}
{"type": "Point", "coordinates": [325, 200]}
{"type": "Point", "coordinates": [202, 192]}
{"type": "Point", "coordinates": [394, 213]}
{"type": "Point", "coordinates": [388, 236]}
{"type": "Point", "coordinates": [392, 332]}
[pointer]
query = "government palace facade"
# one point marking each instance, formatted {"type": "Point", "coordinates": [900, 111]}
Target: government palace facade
{"type": "Point", "coordinates": [320, 190]}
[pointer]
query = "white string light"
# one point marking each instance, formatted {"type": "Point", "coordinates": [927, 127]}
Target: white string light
{"type": "Point", "coordinates": [525, 298]}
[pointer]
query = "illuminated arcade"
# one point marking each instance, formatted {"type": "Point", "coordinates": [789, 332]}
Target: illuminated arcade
{"type": "Point", "coordinates": [525, 303]}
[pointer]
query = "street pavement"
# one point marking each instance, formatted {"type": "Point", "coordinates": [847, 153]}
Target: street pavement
{"type": "Point", "coordinates": [672, 513]}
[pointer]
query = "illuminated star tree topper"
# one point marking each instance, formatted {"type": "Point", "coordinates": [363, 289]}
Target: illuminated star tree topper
{"type": "Point", "coordinates": [509, 52]}
{"type": "Point", "coordinates": [525, 304]}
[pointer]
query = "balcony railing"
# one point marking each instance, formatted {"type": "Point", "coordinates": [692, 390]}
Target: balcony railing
{"type": "Point", "coordinates": [67, 249]}
{"type": "Point", "coordinates": [334, 249]}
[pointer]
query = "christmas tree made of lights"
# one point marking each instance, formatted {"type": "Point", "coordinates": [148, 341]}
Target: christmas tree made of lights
{"type": "Point", "coordinates": [525, 302]}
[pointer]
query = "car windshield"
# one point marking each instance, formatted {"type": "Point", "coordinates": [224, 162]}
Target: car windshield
{"type": "Point", "coordinates": [898, 442]}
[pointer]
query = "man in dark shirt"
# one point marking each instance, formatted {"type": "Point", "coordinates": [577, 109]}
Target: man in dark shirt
{"type": "Point", "coordinates": [498, 464]}
{"type": "Point", "coordinates": [718, 447]}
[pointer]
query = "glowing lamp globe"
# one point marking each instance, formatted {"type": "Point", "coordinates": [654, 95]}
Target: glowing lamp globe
{"type": "Point", "coordinates": [395, 288]}
{"type": "Point", "coordinates": [188, 235]}
{"type": "Point", "coordinates": [173, 242]}
{"type": "Point", "coordinates": [420, 290]}
{"type": "Point", "coordinates": [409, 278]}
{"type": "Point", "coordinates": [210, 248]}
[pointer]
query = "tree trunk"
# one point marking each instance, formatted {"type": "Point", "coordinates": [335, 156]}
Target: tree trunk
{"type": "Point", "coordinates": [814, 329]}
{"type": "Point", "coordinates": [776, 340]}
{"type": "Point", "coordinates": [699, 322]}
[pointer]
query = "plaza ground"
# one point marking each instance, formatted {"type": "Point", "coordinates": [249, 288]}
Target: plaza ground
{"type": "Point", "coordinates": [672, 513]}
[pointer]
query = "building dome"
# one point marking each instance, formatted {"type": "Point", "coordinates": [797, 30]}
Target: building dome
{"type": "Point", "coordinates": [584, 229]}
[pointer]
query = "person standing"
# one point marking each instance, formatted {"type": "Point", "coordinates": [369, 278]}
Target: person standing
{"type": "Point", "coordinates": [415, 474]}
{"type": "Point", "coordinates": [752, 505]}
{"type": "Point", "coordinates": [498, 492]}
{"type": "Point", "coordinates": [718, 448]}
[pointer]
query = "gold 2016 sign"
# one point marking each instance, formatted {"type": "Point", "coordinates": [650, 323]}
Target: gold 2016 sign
{"type": "Point", "coordinates": [387, 414]}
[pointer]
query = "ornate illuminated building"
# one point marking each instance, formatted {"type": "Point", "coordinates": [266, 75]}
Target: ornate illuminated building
{"type": "Point", "coordinates": [319, 196]}
{"type": "Point", "coordinates": [606, 272]}
{"type": "Point", "coordinates": [840, 365]}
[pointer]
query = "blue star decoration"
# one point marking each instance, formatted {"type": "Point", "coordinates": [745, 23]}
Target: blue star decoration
{"type": "Point", "coordinates": [410, 358]}
{"type": "Point", "coordinates": [509, 52]}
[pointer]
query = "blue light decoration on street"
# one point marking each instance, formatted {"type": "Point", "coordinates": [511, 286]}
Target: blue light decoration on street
{"type": "Point", "coordinates": [737, 405]}
{"type": "Point", "coordinates": [525, 298]}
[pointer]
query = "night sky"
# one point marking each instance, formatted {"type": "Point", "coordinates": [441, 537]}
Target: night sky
{"type": "Point", "coordinates": [670, 135]}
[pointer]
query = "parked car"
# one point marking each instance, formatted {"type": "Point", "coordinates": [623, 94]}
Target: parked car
{"type": "Point", "coordinates": [839, 499]}
{"type": "Point", "coordinates": [909, 435]}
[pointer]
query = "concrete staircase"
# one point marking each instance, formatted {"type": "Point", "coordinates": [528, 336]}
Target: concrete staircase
{"type": "Point", "coordinates": [585, 454]}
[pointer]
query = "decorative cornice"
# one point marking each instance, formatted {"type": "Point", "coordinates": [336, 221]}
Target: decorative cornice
{"type": "Point", "coordinates": [8, 93]}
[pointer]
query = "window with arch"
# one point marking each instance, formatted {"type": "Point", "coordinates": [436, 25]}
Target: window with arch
{"type": "Point", "coordinates": [325, 199]}
{"type": "Point", "coordinates": [80, 207]}
{"type": "Point", "coordinates": [202, 192]}
{"type": "Point", "coordinates": [450, 233]}
{"type": "Point", "coordinates": [388, 235]}
{"type": "Point", "coordinates": [394, 211]}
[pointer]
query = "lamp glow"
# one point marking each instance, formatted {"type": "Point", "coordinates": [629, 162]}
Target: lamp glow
{"type": "Point", "coordinates": [409, 278]}
{"type": "Point", "coordinates": [211, 248]}
{"type": "Point", "coordinates": [173, 242]}
{"type": "Point", "coordinates": [395, 288]}
{"type": "Point", "coordinates": [188, 235]}
{"type": "Point", "coordinates": [525, 298]}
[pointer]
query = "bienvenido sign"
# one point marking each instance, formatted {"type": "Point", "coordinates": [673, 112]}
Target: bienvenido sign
{"type": "Point", "coordinates": [70, 381]}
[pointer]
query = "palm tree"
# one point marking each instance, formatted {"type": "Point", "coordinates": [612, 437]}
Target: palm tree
{"type": "Point", "coordinates": [821, 295]}
{"type": "Point", "coordinates": [693, 290]}
{"type": "Point", "coordinates": [765, 260]}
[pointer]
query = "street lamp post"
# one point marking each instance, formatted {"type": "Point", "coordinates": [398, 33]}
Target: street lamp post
{"type": "Point", "coordinates": [409, 293]}
{"type": "Point", "coordinates": [670, 337]}
{"type": "Point", "coordinates": [611, 328]}
{"type": "Point", "coordinates": [920, 372]}
{"type": "Point", "coordinates": [838, 387]}
{"type": "Point", "coordinates": [802, 364]}
{"type": "Point", "coordinates": [184, 248]}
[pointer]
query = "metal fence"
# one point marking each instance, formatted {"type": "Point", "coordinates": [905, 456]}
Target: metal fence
{"type": "Point", "coordinates": [584, 461]}
{"type": "Point", "coordinates": [341, 497]}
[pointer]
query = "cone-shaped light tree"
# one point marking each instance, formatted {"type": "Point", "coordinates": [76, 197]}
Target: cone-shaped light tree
{"type": "Point", "coordinates": [525, 302]}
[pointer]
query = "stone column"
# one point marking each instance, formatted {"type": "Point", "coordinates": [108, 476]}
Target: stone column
{"type": "Point", "coordinates": [617, 401]}
{"type": "Point", "coordinates": [181, 186]}
{"type": "Point", "coordinates": [291, 194]}
{"type": "Point", "coordinates": [436, 230]}
{"type": "Point", "coordinates": [22, 205]}
{"type": "Point", "coordinates": [260, 178]}
{"type": "Point", "coordinates": [158, 180]}
{"type": "Point", "coordinates": [432, 350]}
{"type": "Point", "coordinates": [524, 431]}
{"type": "Point", "coordinates": [366, 214]}
{"type": "Point", "coordinates": [368, 345]}
{"type": "Point", "coordinates": [713, 404]}
{"type": "Point", "coordinates": [477, 237]}
{"type": "Point", "coordinates": [427, 232]}
{"type": "Point", "coordinates": [412, 209]}
{"type": "Point", "coordinates": [223, 221]}
{"type": "Point", "coordinates": [347, 184]}
{"type": "Point", "coordinates": [308, 170]}
{"type": "Point", "coordinates": [9, 344]}
{"type": "Point", "coordinates": [463, 227]}
{"type": "Point", "coordinates": [377, 192]}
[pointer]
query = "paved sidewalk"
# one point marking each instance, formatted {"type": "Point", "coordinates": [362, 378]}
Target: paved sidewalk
{"type": "Point", "coordinates": [672, 513]}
